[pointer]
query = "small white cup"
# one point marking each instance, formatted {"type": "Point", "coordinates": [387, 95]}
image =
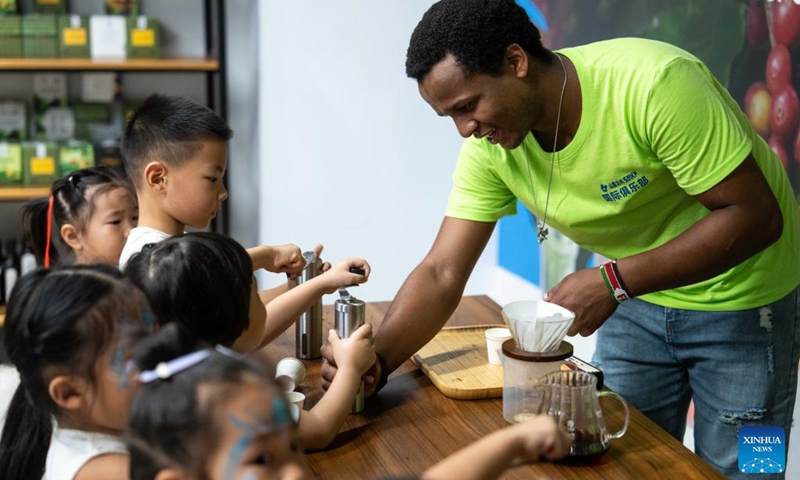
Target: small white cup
{"type": "Point", "coordinates": [494, 343]}
{"type": "Point", "coordinates": [296, 398]}
{"type": "Point", "coordinates": [296, 401]}
{"type": "Point", "coordinates": [289, 373]}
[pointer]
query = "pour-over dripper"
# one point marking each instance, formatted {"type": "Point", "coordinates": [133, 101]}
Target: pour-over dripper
{"type": "Point", "coordinates": [537, 326]}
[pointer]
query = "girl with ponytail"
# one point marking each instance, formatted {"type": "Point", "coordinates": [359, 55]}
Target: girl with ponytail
{"type": "Point", "coordinates": [85, 220]}
{"type": "Point", "coordinates": [67, 332]}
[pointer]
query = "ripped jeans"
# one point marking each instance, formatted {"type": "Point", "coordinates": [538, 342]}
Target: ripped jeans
{"type": "Point", "coordinates": [739, 367]}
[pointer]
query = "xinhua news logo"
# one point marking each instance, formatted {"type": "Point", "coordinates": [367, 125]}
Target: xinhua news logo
{"type": "Point", "coordinates": [762, 449]}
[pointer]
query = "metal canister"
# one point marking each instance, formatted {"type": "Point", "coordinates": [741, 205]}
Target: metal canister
{"type": "Point", "coordinates": [350, 314]}
{"type": "Point", "coordinates": [308, 329]}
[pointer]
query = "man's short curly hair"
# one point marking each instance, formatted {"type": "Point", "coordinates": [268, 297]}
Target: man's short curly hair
{"type": "Point", "coordinates": [475, 32]}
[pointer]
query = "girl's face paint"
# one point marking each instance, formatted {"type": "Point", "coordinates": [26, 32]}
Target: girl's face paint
{"type": "Point", "coordinates": [257, 438]}
{"type": "Point", "coordinates": [113, 392]}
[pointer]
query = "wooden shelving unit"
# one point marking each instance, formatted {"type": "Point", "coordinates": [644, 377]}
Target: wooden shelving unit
{"type": "Point", "coordinates": [80, 64]}
{"type": "Point", "coordinates": [23, 193]}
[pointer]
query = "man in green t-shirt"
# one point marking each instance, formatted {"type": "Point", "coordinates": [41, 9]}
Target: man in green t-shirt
{"type": "Point", "coordinates": [632, 149]}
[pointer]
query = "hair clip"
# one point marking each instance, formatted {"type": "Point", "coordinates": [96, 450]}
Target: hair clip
{"type": "Point", "coordinates": [165, 370]}
{"type": "Point", "coordinates": [148, 246]}
{"type": "Point", "coordinates": [228, 352]}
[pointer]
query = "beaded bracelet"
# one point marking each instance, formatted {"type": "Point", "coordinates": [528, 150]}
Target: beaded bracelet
{"type": "Point", "coordinates": [613, 280]}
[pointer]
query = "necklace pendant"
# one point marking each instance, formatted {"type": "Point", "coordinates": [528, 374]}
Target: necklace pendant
{"type": "Point", "coordinates": [542, 235]}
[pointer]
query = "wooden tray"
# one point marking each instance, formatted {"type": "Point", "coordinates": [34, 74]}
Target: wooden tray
{"type": "Point", "coordinates": [455, 362]}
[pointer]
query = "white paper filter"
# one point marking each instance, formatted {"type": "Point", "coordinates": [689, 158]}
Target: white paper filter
{"type": "Point", "coordinates": [537, 326]}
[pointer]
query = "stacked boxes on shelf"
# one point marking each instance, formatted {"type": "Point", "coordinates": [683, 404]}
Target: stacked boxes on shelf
{"type": "Point", "coordinates": [41, 163]}
{"type": "Point", "coordinates": [10, 36]}
{"type": "Point", "coordinates": [51, 32]}
{"type": "Point", "coordinates": [39, 36]}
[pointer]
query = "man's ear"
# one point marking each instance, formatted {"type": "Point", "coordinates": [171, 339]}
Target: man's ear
{"type": "Point", "coordinates": [71, 237]}
{"type": "Point", "coordinates": [517, 60]}
{"type": "Point", "coordinates": [68, 392]}
{"type": "Point", "coordinates": [171, 474]}
{"type": "Point", "coordinates": [155, 175]}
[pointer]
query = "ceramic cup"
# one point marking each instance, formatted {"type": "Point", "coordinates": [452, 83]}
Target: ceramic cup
{"type": "Point", "coordinates": [494, 343]}
{"type": "Point", "coordinates": [289, 373]}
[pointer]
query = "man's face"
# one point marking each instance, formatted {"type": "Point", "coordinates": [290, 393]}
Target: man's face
{"type": "Point", "coordinates": [481, 105]}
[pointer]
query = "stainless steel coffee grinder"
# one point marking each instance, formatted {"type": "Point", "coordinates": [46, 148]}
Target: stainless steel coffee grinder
{"type": "Point", "coordinates": [308, 328]}
{"type": "Point", "coordinates": [350, 314]}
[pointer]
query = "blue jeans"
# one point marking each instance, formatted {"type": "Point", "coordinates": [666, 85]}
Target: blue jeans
{"type": "Point", "coordinates": [740, 368]}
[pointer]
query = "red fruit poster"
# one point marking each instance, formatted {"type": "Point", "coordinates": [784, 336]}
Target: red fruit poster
{"type": "Point", "coordinates": [752, 46]}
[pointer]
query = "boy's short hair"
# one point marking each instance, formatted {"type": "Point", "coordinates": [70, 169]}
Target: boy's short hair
{"type": "Point", "coordinates": [169, 129]}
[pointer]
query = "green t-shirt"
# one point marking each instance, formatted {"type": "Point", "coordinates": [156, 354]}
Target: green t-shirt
{"type": "Point", "coordinates": [656, 128]}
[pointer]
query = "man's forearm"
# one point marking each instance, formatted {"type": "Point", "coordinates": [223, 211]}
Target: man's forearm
{"type": "Point", "coordinates": [418, 312]}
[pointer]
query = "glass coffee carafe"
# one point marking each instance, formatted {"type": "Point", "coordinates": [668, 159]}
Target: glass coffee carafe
{"type": "Point", "coordinates": [571, 398]}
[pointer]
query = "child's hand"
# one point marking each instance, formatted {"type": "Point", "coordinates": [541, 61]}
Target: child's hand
{"type": "Point", "coordinates": [356, 352]}
{"type": "Point", "coordinates": [340, 276]}
{"type": "Point", "coordinates": [541, 437]}
{"type": "Point", "coordinates": [278, 258]}
{"type": "Point", "coordinates": [318, 251]}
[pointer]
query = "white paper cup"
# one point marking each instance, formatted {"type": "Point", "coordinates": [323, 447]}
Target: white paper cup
{"type": "Point", "coordinates": [296, 398]}
{"type": "Point", "coordinates": [494, 343]}
{"type": "Point", "coordinates": [289, 373]}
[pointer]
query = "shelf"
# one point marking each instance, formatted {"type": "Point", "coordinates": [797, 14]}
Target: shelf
{"type": "Point", "coordinates": [146, 65]}
{"type": "Point", "coordinates": [23, 193]}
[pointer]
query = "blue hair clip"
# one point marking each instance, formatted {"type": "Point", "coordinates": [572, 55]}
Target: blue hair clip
{"type": "Point", "coordinates": [165, 370]}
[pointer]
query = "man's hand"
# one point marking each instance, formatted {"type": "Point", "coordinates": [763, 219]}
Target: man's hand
{"type": "Point", "coordinates": [328, 371]}
{"type": "Point", "coordinates": [584, 293]}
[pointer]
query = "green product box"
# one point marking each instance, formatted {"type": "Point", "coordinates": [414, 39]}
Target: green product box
{"type": "Point", "coordinates": [8, 7]}
{"type": "Point", "coordinates": [91, 112]}
{"type": "Point", "coordinates": [87, 113]}
{"type": "Point", "coordinates": [13, 120]}
{"type": "Point", "coordinates": [75, 155]}
{"type": "Point", "coordinates": [50, 6]}
{"type": "Point", "coordinates": [144, 37]}
{"type": "Point", "coordinates": [39, 36]}
{"type": "Point", "coordinates": [73, 36]}
{"type": "Point", "coordinates": [10, 163]}
{"type": "Point", "coordinates": [39, 160]}
{"type": "Point", "coordinates": [10, 36]}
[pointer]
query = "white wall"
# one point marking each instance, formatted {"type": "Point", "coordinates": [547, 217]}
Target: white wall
{"type": "Point", "coordinates": [351, 156]}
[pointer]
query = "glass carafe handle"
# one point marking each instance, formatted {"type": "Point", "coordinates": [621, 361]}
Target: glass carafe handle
{"type": "Point", "coordinates": [627, 414]}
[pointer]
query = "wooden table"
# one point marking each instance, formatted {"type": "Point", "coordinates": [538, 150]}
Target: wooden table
{"type": "Point", "coordinates": [410, 425]}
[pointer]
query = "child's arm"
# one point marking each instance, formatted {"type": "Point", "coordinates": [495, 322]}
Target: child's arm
{"type": "Point", "coordinates": [102, 467]}
{"type": "Point", "coordinates": [276, 259]}
{"type": "Point", "coordinates": [284, 309]}
{"type": "Point", "coordinates": [270, 294]}
{"type": "Point", "coordinates": [318, 427]}
{"type": "Point", "coordinates": [490, 456]}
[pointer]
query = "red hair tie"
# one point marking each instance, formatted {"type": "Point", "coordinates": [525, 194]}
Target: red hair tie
{"type": "Point", "coordinates": [49, 228]}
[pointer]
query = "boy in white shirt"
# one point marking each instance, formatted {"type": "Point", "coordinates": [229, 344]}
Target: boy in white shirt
{"type": "Point", "coordinates": [175, 152]}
